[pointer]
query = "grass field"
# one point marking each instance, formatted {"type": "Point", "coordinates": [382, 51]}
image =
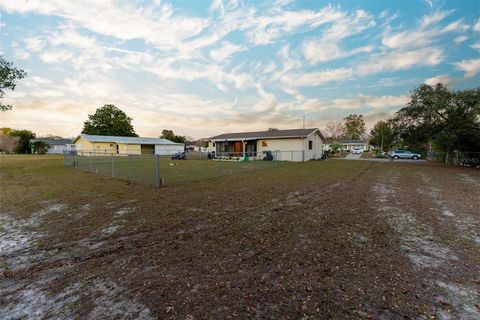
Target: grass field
{"type": "Point", "coordinates": [143, 168]}
{"type": "Point", "coordinates": [323, 239]}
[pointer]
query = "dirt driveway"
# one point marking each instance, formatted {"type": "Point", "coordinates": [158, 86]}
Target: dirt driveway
{"type": "Point", "coordinates": [325, 239]}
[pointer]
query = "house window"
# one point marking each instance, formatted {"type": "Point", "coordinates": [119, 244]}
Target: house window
{"type": "Point", "coordinates": [264, 144]}
{"type": "Point", "coordinates": [214, 144]}
{"type": "Point", "coordinates": [310, 145]}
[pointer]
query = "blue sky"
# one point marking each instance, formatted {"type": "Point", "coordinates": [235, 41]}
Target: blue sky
{"type": "Point", "coordinates": [203, 68]}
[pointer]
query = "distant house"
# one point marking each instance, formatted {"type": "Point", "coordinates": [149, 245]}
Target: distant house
{"type": "Point", "coordinates": [196, 148]}
{"type": "Point", "coordinates": [284, 145]}
{"type": "Point", "coordinates": [56, 146]}
{"type": "Point", "coordinates": [349, 145]}
{"type": "Point", "coordinates": [96, 145]}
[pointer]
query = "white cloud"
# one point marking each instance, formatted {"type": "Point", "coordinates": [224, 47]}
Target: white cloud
{"type": "Point", "coordinates": [476, 27]}
{"type": "Point", "coordinates": [225, 51]}
{"type": "Point", "coordinates": [71, 37]}
{"type": "Point", "coordinates": [215, 73]}
{"type": "Point", "coordinates": [445, 79]}
{"type": "Point", "coordinates": [41, 80]}
{"type": "Point", "coordinates": [268, 28]}
{"type": "Point", "coordinates": [320, 51]}
{"type": "Point", "coordinates": [57, 56]}
{"type": "Point", "coordinates": [397, 60]}
{"type": "Point", "coordinates": [359, 102]}
{"type": "Point", "coordinates": [470, 67]}
{"type": "Point", "coordinates": [312, 79]}
{"type": "Point", "coordinates": [377, 102]}
{"type": "Point", "coordinates": [423, 35]}
{"type": "Point", "coordinates": [476, 46]}
{"type": "Point", "coordinates": [155, 24]}
{"type": "Point", "coordinates": [34, 44]}
{"type": "Point", "coordinates": [21, 54]}
{"type": "Point", "coordinates": [460, 39]}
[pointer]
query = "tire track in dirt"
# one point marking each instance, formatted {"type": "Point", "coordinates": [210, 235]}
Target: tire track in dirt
{"type": "Point", "coordinates": [455, 296]}
{"type": "Point", "coordinates": [447, 213]}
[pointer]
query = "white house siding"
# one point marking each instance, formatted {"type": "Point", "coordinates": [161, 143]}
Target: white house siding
{"type": "Point", "coordinates": [211, 146]}
{"type": "Point", "coordinates": [164, 149]}
{"type": "Point", "coordinates": [57, 149]}
{"type": "Point", "coordinates": [283, 149]}
{"type": "Point", "coordinates": [316, 151]}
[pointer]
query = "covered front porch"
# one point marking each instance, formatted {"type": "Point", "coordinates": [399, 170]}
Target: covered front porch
{"type": "Point", "coordinates": [236, 148]}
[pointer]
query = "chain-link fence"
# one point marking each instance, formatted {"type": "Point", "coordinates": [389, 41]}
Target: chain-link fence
{"type": "Point", "coordinates": [162, 170]}
{"type": "Point", "coordinates": [463, 158]}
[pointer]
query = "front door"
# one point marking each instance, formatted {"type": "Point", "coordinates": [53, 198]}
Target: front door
{"type": "Point", "coordinates": [238, 148]}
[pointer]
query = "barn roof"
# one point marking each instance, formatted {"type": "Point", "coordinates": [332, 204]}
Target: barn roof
{"type": "Point", "coordinates": [126, 140]}
{"type": "Point", "coordinates": [269, 134]}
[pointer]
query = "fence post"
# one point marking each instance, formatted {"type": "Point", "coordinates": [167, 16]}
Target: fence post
{"type": "Point", "coordinates": [129, 167]}
{"type": "Point", "coordinates": [157, 171]}
{"type": "Point", "coordinates": [113, 166]}
{"type": "Point", "coordinates": [91, 163]}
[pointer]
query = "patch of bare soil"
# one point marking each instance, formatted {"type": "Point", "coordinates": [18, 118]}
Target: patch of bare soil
{"type": "Point", "coordinates": [333, 239]}
{"type": "Point", "coordinates": [437, 233]}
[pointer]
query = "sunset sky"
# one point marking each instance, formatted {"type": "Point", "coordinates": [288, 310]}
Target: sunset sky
{"type": "Point", "coordinates": [202, 68]}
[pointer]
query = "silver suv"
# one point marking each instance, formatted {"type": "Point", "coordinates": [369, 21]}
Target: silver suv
{"type": "Point", "coordinates": [404, 154]}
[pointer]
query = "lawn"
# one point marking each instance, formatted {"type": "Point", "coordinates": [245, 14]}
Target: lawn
{"type": "Point", "coordinates": [143, 168]}
{"type": "Point", "coordinates": [322, 239]}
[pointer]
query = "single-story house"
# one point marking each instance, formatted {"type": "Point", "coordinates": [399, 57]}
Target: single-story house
{"type": "Point", "coordinates": [349, 145]}
{"type": "Point", "coordinates": [56, 146]}
{"type": "Point", "coordinates": [284, 145]}
{"type": "Point", "coordinates": [97, 145]}
{"type": "Point", "coordinates": [196, 148]}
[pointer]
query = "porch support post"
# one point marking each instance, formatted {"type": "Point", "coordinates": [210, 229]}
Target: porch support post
{"type": "Point", "coordinates": [243, 148]}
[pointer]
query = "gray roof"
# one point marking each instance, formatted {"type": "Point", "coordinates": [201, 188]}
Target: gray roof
{"type": "Point", "coordinates": [126, 140]}
{"type": "Point", "coordinates": [270, 134]}
{"type": "Point", "coordinates": [352, 141]}
{"type": "Point", "coordinates": [53, 142]}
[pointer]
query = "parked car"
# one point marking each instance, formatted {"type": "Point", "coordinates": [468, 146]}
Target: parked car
{"type": "Point", "coordinates": [179, 156]}
{"type": "Point", "coordinates": [357, 150]}
{"type": "Point", "coordinates": [404, 154]}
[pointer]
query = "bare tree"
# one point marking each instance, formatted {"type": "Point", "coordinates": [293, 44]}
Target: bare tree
{"type": "Point", "coordinates": [8, 144]}
{"type": "Point", "coordinates": [335, 129]}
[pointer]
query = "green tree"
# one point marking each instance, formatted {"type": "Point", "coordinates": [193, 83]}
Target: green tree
{"type": "Point", "coordinates": [6, 130]}
{"type": "Point", "coordinates": [334, 148]}
{"type": "Point", "coordinates": [8, 79]}
{"type": "Point", "coordinates": [169, 135]}
{"type": "Point", "coordinates": [109, 121]}
{"type": "Point", "coordinates": [354, 126]}
{"type": "Point", "coordinates": [381, 135]}
{"type": "Point", "coordinates": [437, 116]}
{"type": "Point", "coordinates": [24, 136]}
{"type": "Point", "coordinates": [39, 147]}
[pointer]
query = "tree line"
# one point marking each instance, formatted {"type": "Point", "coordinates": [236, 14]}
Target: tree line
{"type": "Point", "coordinates": [435, 118]}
